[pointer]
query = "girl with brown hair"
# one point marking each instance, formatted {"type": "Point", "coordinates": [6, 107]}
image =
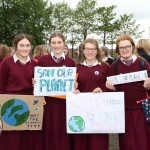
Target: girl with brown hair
{"type": "Point", "coordinates": [92, 72]}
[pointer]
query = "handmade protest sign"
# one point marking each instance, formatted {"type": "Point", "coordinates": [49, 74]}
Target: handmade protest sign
{"type": "Point", "coordinates": [95, 113]}
{"type": "Point", "coordinates": [54, 81]}
{"type": "Point", "coordinates": [21, 112]}
{"type": "Point", "coordinates": [128, 77]}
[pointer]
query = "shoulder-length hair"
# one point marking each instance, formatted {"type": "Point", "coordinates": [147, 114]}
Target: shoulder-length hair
{"type": "Point", "coordinates": [143, 44]}
{"type": "Point", "coordinates": [38, 51]}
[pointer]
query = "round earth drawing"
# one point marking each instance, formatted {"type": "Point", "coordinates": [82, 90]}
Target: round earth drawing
{"type": "Point", "coordinates": [76, 124]}
{"type": "Point", "coordinates": [15, 112]}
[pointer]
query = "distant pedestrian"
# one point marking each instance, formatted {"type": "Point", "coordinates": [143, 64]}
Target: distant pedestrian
{"type": "Point", "coordinates": [105, 55]}
{"type": "Point", "coordinates": [143, 49]}
{"type": "Point", "coordinates": [38, 52]}
{"type": "Point", "coordinates": [4, 52]}
{"type": "Point", "coordinates": [66, 51]}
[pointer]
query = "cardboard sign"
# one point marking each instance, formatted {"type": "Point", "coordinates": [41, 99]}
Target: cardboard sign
{"type": "Point", "coordinates": [54, 81]}
{"type": "Point", "coordinates": [95, 113]}
{"type": "Point", "coordinates": [128, 77]}
{"type": "Point", "coordinates": [21, 112]}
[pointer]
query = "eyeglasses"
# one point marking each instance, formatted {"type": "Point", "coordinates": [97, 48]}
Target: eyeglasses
{"type": "Point", "coordinates": [92, 49]}
{"type": "Point", "coordinates": [128, 47]}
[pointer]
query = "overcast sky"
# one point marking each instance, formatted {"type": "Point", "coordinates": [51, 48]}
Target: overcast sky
{"type": "Point", "coordinates": [140, 9]}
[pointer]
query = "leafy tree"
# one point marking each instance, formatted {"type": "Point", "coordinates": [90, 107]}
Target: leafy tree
{"type": "Point", "coordinates": [61, 17]}
{"type": "Point", "coordinates": [62, 20]}
{"type": "Point", "coordinates": [73, 36]}
{"type": "Point", "coordinates": [84, 17]}
{"type": "Point", "coordinates": [33, 20]}
{"type": "Point", "coordinates": [127, 26]}
{"type": "Point", "coordinates": [105, 23]}
{"type": "Point", "coordinates": [108, 28]}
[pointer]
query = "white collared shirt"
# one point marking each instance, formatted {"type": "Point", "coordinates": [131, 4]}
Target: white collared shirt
{"type": "Point", "coordinates": [63, 55]}
{"type": "Point", "coordinates": [104, 59]}
{"type": "Point", "coordinates": [95, 64]}
{"type": "Point", "coordinates": [15, 57]}
{"type": "Point", "coordinates": [134, 57]}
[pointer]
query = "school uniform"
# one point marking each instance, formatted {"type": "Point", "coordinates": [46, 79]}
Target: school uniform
{"type": "Point", "coordinates": [89, 78]}
{"type": "Point", "coordinates": [16, 78]}
{"type": "Point", "coordinates": [54, 132]}
{"type": "Point", "coordinates": [137, 129]}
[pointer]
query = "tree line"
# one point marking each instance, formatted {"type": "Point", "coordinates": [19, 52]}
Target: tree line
{"type": "Point", "coordinates": [39, 18]}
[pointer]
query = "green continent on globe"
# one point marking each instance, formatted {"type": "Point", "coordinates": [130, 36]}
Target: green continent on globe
{"type": "Point", "coordinates": [20, 119]}
{"type": "Point", "coordinates": [6, 106]}
{"type": "Point", "coordinates": [79, 121]}
{"type": "Point", "coordinates": [14, 109]}
{"type": "Point", "coordinates": [71, 127]}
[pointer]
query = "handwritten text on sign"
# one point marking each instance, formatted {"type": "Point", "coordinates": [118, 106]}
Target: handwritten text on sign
{"type": "Point", "coordinates": [95, 113]}
{"type": "Point", "coordinates": [52, 81]}
{"type": "Point", "coordinates": [128, 77]}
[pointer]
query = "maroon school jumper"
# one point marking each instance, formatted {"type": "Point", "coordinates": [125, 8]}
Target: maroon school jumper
{"type": "Point", "coordinates": [90, 78]}
{"type": "Point", "coordinates": [16, 78]}
{"type": "Point", "coordinates": [55, 136]}
{"type": "Point", "coordinates": [137, 130]}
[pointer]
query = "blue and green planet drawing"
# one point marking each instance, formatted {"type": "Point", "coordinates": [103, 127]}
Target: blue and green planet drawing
{"type": "Point", "coordinates": [15, 112]}
{"type": "Point", "coordinates": [76, 124]}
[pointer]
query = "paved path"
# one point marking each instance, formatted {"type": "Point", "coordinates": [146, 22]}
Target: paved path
{"type": "Point", "coordinates": [113, 142]}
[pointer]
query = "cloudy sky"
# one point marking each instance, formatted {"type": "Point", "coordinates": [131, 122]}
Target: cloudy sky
{"type": "Point", "coordinates": [140, 9]}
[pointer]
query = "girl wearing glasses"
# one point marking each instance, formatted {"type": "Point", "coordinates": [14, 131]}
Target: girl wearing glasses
{"type": "Point", "coordinates": [16, 73]}
{"type": "Point", "coordinates": [92, 77]}
{"type": "Point", "coordinates": [137, 129]}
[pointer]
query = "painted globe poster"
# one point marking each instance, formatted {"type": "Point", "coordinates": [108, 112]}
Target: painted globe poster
{"type": "Point", "coordinates": [76, 124]}
{"type": "Point", "coordinates": [15, 112]}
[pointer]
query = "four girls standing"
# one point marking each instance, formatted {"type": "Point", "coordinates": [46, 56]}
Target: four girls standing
{"type": "Point", "coordinates": [17, 71]}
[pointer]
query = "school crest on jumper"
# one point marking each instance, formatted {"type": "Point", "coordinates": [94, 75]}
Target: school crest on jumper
{"type": "Point", "coordinates": [96, 72]}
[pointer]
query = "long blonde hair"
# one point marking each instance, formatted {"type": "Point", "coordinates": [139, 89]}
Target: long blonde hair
{"type": "Point", "coordinates": [143, 44]}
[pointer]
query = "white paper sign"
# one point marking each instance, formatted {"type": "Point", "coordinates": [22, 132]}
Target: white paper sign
{"type": "Point", "coordinates": [128, 77]}
{"type": "Point", "coordinates": [53, 81]}
{"type": "Point", "coordinates": [95, 113]}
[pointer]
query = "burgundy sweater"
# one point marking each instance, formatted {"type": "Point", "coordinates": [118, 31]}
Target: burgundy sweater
{"type": "Point", "coordinates": [133, 91]}
{"type": "Point", "coordinates": [48, 61]}
{"type": "Point", "coordinates": [90, 78]}
{"type": "Point", "coordinates": [16, 78]}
